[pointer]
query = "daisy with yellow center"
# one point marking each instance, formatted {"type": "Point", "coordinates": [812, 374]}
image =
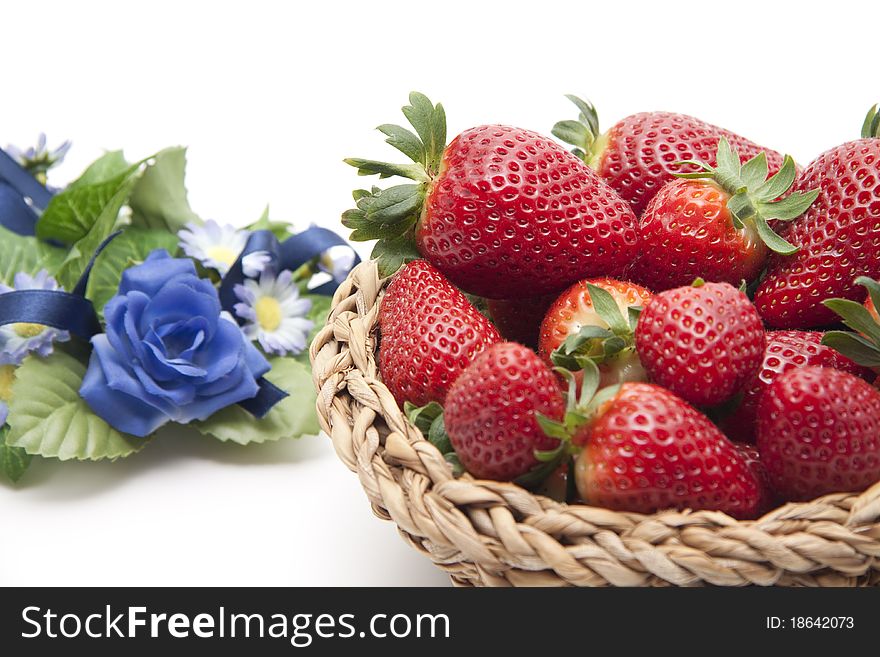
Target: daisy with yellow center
{"type": "Point", "coordinates": [274, 313]}
{"type": "Point", "coordinates": [218, 247]}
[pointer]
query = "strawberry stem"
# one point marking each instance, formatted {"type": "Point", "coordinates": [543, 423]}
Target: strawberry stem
{"type": "Point", "coordinates": [390, 215]}
{"type": "Point", "coordinates": [755, 198]}
{"type": "Point", "coordinates": [871, 126]}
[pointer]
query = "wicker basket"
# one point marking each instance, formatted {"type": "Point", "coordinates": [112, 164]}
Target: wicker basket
{"type": "Point", "coordinates": [486, 533]}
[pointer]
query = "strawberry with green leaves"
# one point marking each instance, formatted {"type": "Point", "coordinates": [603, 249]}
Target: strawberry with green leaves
{"type": "Point", "coordinates": [645, 449]}
{"type": "Point", "coordinates": [715, 223]}
{"type": "Point", "coordinates": [503, 212]}
{"type": "Point", "coordinates": [594, 320]}
{"type": "Point", "coordinates": [641, 153]}
{"type": "Point", "coordinates": [702, 341]}
{"type": "Point", "coordinates": [429, 334]}
{"type": "Point", "coordinates": [838, 238]}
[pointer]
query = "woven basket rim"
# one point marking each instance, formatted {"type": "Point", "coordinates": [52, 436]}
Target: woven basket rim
{"type": "Point", "coordinates": [499, 534]}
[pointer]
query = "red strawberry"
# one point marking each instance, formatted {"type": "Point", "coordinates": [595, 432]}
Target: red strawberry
{"type": "Point", "coordinates": [838, 237]}
{"type": "Point", "coordinates": [647, 450]}
{"type": "Point", "coordinates": [702, 342]}
{"type": "Point", "coordinates": [638, 155]}
{"type": "Point", "coordinates": [819, 432]}
{"type": "Point", "coordinates": [573, 318]}
{"type": "Point", "coordinates": [490, 412]}
{"type": "Point", "coordinates": [716, 228]}
{"type": "Point", "coordinates": [519, 320]}
{"type": "Point", "coordinates": [752, 457]}
{"type": "Point", "coordinates": [501, 211]}
{"type": "Point", "coordinates": [785, 350]}
{"type": "Point", "coordinates": [429, 334]}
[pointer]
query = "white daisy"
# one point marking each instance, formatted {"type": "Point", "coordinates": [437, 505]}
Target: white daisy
{"type": "Point", "coordinates": [218, 247]}
{"type": "Point", "coordinates": [275, 313]}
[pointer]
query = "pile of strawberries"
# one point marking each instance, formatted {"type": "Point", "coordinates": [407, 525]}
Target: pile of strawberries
{"type": "Point", "coordinates": [668, 316]}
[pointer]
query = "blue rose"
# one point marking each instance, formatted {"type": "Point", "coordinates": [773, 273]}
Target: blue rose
{"type": "Point", "coordinates": [168, 353]}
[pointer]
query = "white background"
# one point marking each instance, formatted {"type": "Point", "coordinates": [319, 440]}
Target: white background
{"type": "Point", "coordinates": [270, 97]}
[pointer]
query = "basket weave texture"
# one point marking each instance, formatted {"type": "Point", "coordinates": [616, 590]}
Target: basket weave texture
{"type": "Point", "coordinates": [487, 533]}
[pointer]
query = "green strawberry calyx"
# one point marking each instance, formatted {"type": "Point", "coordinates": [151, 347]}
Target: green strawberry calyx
{"type": "Point", "coordinates": [581, 410]}
{"type": "Point", "coordinates": [583, 133]}
{"type": "Point", "coordinates": [755, 198]}
{"type": "Point", "coordinates": [389, 215]}
{"type": "Point", "coordinates": [863, 345]}
{"type": "Point", "coordinates": [595, 344]}
{"type": "Point", "coordinates": [871, 126]}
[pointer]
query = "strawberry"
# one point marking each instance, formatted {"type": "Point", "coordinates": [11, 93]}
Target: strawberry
{"type": "Point", "coordinates": [703, 342]}
{"type": "Point", "coordinates": [647, 449]}
{"type": "Point", "coordinates": [784, 350]}
{"type": "Point", "coordinates": [491, 409]}
{"type": "Point", "coordinates": [519, 320]}
{"type": "Point", "coordinates": [819, 432]}
{"type": "Point", "coordinates": [429, 334]}
{"type": "Point", "coordinates": [640, 153]}
{"type": "Point", "coordinates": [862, 347]}
{"type": "Point", "coordinates": [838, 237]}
{"type": "Point", "coordinates": [714, 223]}
{"type": "Point", "coordinates": [503, 212]}
{"type": "Point", "coordinates": [752, 458]}
{"type": "Point", "coordinates": [594, 319]}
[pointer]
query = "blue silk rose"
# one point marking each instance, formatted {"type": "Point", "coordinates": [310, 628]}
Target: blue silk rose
{"type": "Point", "coordinates": [169, 354]}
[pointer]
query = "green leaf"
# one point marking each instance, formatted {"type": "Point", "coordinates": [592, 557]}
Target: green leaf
{"type": "Point", "coordinates": [388, 169]}
{"type": "Point", "coordinates": [72, 213]}
{"type": "Point", "coordinates": [292, 417]}
{"type": "Point", "coordinates": [130, 248]}
{"type": "Point", "coordinates": [873, 288]}
{"type": "Point", "coordinates": [429, 121]}
{"type": "Point", "coordinates": [552, 428]}
{"type": "Point", "coordinates": [574, 133]}
{"type": "Point", "coordinates": [396, 205]}
{"type": "Point", "coordinates": [588, 114]}
{"type": "Point", "coordinates": [19, 253]}
{"type": "Point", "coordinates": [779, 182]}
{"type": "Point", "coordinates": [404, 141]}
{"type": "Point", "coordinates": [791, 207]}
{"type": "Point", "coordinates": [727, 163]}
{"type": "Point", "coordinates": [280, 229]}
{"type": "Point", "coordinates": [854, 347]}
{"type": "Point", "coordinates": [871, 126]}
{"type": "Point", "coordinates": [81, 252]}
{"type": "Point", "coordinates": [606, 307]}
{"type": "Point", "coordinates": [773, 241]}
{"type": "Point", "coordinates": [438, 437]}
{"type": "Point", "coordinates": [106, 167]}
{"type": "Point", "coordinates": [855, 316]}
{"type": "Point", "coordinates": [159, 199]}
{"type": "Point", "coordinates": [48, 417]}
{"type": "Point", "coordinates": [390, 255]}
{"type": "Point", "coordinates": [422, 417]}
{"type": "Point", "coordinates": [14, 461]}
{"type": "Point", "coordinates": [754, 172]}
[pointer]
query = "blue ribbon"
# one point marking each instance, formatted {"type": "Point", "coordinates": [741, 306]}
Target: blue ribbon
{"type": "Point", "coordinates": [17, 185]}
{"type": "Point", "coordinates": [66, 311]}
{"type": "Point", "coordinates": [290, 254]}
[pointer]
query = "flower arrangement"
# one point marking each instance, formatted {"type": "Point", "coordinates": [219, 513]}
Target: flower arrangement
{"type": "Point", "coordinates": [122, 312]}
